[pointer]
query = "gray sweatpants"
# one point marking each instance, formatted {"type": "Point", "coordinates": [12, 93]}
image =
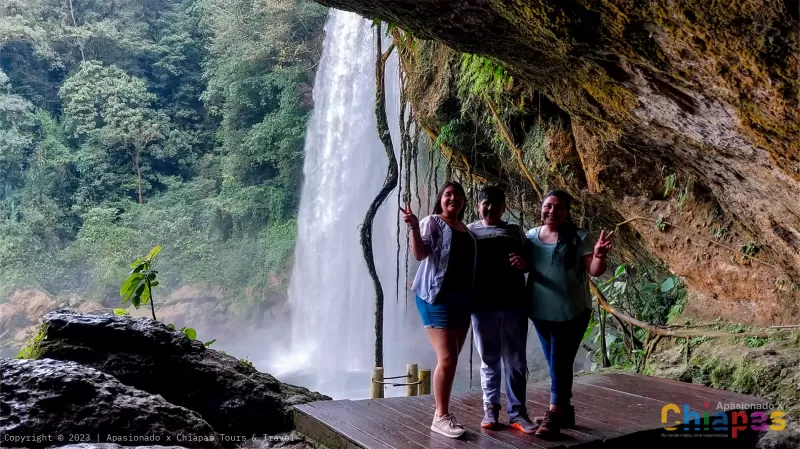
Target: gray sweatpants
{"type": "Point", "coordinates": [500, 338]}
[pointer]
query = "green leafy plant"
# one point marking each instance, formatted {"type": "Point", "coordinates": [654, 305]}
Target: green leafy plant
{"type": "Point", "coordinates": [247, 362]}
{"type": "Point", "coordinates": [669, 184]}
{"type": "Point", "coordinates": [719, 231]}
{"type": "Point", "coordinates": [138, 290]}
{"type": "Point", "coordinates": [482, 76]}
{"type": "Point", "coordinates": [756, 342]}
{"type": "Point", "coordinates": [138, 287]}
{"type": "Point", "coordinates": [661, 225]}
{"type": "Point", "coordinates": [450, 134]}
{"type": "Point", "coordinates": [685, 194]}
{"type": "Point", "coordinates": [676, 309]}
{"type": "Point", "coordinates": [191, 333]}
{"type": "Point", "coordinates": [669, 284]}
{"type": "Point", "coordinates": [749, 249]}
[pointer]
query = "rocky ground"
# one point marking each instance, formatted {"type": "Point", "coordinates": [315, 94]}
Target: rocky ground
{"type": "Point", "coordinates": [134, 381]}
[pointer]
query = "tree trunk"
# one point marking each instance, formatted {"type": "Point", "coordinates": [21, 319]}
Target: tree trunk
{"type": "Point", "coordinates": [75, 24]}
{"type": "Point", "coordinates": [138, 177]}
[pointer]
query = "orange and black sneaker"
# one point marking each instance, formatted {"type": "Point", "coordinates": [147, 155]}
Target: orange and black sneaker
{"type": "Point", "coordinates": [490, 417]}
{"type": "Point", "coordinates": [522, 423]}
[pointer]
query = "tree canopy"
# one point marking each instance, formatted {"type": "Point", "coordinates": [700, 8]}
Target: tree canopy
{"type": "Point", "coordinates": [129, 124]}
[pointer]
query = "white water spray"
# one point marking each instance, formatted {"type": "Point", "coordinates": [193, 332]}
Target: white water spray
{"type": "Point", "coordinates": [331, 295]}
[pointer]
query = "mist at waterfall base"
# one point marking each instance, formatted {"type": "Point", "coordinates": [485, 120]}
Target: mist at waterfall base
{"type": "Point", "coordinates": [324, 337]}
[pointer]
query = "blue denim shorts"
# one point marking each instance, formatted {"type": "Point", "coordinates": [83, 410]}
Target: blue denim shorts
{"type": "Point", "coordinates": [451, 311]}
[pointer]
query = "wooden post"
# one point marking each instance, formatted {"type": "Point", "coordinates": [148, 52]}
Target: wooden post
{"type": "Point", "coordinates": [425, 381]}
{"type": "Point", "coordinates": [377, 388]}
{"type": "Point", "coordinates": [413, 376]}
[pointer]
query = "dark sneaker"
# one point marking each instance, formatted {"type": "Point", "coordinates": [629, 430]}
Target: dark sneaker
{"type": "Point", "coordinates": [522, 423]}
{"type": "Point", "coordinates": [490, 416]}
{"type": "Point", "coordinates": [566, 418]}
{"type": "Point", "coordinates": [549, 426]}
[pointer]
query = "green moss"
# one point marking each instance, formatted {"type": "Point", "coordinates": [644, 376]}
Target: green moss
{"type": "Point", "coordinates": [750, 44]}
{"type": "Point", "coordinates": [770, 372]}
{"type": "Point", "coordinates": [33, 349]}
{"type": "Point", "coordinates": [543, 24]}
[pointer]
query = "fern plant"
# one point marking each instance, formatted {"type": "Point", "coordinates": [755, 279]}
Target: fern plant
{"type": "Point", "coordinates": [481, 77]}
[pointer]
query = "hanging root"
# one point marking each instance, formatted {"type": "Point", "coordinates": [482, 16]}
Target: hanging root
{"type": "Point", "coordinates": [389, 184]}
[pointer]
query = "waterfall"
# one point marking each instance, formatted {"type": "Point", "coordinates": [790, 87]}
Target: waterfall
{"type": "Point", "coordinates": [331, 296]}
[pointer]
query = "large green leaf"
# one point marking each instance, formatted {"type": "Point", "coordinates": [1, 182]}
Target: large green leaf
{"type": "Point", "coordinates": [620, 271]}
{"type": "Point", "coordinates": [127, 285]}
{"type": "Point", "coordinates": [136, 263]}
{"type": "Point", "coordinates": [191, 333]}
{"type": "Point", "coordinates": [153, 252]}
{"type": "Point", "coordinates": [121, 312]}
{"type": "Point", "coordinates": [138, 282]}
{"type": "Point", "coordinates": [650, 287]}
{"type": "Point", "coordinates": [668, 285]}
{"type": "Point", "coordinates": [145, 295]}
{"type": "Point", "coordinates": [136, 298]}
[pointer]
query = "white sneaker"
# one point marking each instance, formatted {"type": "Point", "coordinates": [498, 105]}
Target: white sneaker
{"type": "Point", "coordinates": [447, 425]}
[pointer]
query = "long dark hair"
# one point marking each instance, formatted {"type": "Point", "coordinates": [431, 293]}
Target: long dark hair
{"type": "Point", "coordinates": [567, 232]}
{"type": "Point", "coordinates": [437, 208]}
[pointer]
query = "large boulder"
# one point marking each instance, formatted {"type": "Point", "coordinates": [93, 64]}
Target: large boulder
{"type": "Point", "coordinates": [231, 395]}
{"type": "Point", "coordinates": [42, 400]}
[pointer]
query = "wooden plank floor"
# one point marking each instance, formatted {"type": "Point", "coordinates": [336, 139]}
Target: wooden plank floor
{"type": "Point", "coordinates": [617, 410]}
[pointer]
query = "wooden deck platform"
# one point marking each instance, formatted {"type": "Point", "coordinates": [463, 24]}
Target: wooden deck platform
{"type": "Point", "coordinates": [612, 411]}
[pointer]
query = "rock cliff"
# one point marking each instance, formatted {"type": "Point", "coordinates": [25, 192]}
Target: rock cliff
{"type": "Point", "coordinates": [685, 111]}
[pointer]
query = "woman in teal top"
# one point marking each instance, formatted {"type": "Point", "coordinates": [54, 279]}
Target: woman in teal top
{"type": "Point", "coordinates": [563, 258]}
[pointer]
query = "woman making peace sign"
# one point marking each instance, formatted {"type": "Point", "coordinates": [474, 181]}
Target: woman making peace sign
{"type": "Point", "coordinates": [564, 257]}
{"type": "Point", "coordinates": [443, 285]}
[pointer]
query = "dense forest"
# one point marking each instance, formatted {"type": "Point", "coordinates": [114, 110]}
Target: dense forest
{"type": "Point", "coordinates": [128, 124]}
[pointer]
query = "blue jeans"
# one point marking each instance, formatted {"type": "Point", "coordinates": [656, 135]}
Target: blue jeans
{"type": "Point", "coordinates": [500, 338]}
{"type": "Point", "coordinates": [560, 342]}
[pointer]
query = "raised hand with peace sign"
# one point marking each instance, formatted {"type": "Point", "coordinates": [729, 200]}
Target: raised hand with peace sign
{"type": "Point", "coordinates": [419, 249]}
{"type": "Point", "coordinates": [604, 245]}
{"type": "Point", "coordinates": [408, 216]}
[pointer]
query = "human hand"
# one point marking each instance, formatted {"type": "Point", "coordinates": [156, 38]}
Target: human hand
{"type": "Point", "coordinates": [517, 262]}
{"type": "Point", "coordinates": [604, 245]}
{"type": "Point", "coordinates": [411, 220]}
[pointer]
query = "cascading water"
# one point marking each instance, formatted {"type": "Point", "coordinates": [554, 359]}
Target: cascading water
{"type": "Point", "coordinates": [331, 296]}
{"type": "Point", "coordinates": [331, 321]}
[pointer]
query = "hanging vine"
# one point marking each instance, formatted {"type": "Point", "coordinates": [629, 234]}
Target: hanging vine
{"type": "Point", "coordinates": [400, 190]}
{"type": "Point", "coordinates": [389, 184]}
